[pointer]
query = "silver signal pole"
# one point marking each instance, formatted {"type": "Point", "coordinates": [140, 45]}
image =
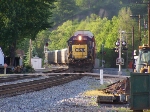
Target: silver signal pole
{"type": "Point", "coordinates": [120, 47]}
{"type": "Point", "coordinates": [119, 72]}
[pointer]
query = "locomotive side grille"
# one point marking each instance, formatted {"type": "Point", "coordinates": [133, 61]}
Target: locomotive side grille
{"type": "Point", "coordinates": [79, 51]}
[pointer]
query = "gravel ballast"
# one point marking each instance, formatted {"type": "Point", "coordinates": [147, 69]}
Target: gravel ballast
{"type": "Point", "coordinates": [69, 97]}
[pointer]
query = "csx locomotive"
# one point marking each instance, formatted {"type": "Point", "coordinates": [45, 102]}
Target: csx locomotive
{"type": "Point", "coordinates": [80, 54]}
{"type": "Point", "coordinates": [81, 51]}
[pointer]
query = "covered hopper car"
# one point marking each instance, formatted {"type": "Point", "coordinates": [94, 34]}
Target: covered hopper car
{"type": "Point", "coordinates": [57, 57]}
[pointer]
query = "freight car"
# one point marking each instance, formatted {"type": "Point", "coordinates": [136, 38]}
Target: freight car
{"type": "Point", "coordinates": [81, 51]}
{"type": "Point", "coordinates": [62, 56]}
{"type": "Point", "coordinates": [57, 57]}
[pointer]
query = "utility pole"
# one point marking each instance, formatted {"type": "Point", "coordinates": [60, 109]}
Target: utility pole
{"type": "Point", "coordinates": [139, 16]}
{"type": "Point", "coordinates": [30, 44]}
{"type": "Point", "coordinates": [102, 54]}
{"type": "Point", "coordinates": [140, 28]}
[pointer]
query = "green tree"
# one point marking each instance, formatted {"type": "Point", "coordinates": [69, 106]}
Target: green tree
{"type": "Point", "coordinates": [64, 10]}
{"type": "Point", "coordinates": [22, 19]}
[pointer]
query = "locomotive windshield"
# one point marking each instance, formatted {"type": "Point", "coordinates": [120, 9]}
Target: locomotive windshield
{"type": "Point", "coordinates": [144, 58]}
{"type": "Point", "coordinates": [76, 42]}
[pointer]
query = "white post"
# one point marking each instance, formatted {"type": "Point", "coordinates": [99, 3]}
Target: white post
{"type": "Point", "coordinates": [5, 66]}
{"type": "Point", "coordinates": [4, 70]}
{"type": "Point", "coordinates": [101, 76]}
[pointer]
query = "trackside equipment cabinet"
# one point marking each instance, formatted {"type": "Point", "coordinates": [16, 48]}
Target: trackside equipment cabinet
{"type": "Point", "coordinates": [140, 91]}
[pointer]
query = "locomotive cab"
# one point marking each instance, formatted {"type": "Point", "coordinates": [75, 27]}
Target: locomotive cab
{"type": "Point", "coordinates": [81, 52]}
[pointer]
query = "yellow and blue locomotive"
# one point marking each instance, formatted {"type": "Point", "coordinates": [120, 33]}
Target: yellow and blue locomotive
{"type": "Point", "coordinates": [81, 51]}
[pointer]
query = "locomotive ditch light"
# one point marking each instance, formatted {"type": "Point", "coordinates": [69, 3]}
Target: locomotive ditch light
{"type": "Point", "coordinates": [80, 38]}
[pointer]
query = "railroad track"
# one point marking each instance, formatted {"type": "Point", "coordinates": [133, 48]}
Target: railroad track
{"type": "Point", "coordinates": [36, 85]}
{"type": "Point", "coordinates": [17, 77]}
{"type": "Point", "coordinates": [58, 70]}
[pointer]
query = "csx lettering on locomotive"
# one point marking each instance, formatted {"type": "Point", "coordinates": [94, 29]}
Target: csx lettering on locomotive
{"type": "Point", "coordinates": [80, 49]}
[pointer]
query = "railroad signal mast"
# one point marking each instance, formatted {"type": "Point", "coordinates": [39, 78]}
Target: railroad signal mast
{"type": "Point", "coordinates": [120, 44]}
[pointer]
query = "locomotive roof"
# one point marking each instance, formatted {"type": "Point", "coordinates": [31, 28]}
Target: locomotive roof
{"type": "Point", "coordinates": [84, 33]}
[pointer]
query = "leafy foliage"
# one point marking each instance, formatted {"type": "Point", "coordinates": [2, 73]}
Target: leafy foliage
{"type": "Point", "coordinates": [22, 19]}
{"type": "Point", "coordinates": [64, 8]}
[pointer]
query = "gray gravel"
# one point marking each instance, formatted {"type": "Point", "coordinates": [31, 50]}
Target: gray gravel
{"type": "Point", "coordinates": [69, 97]}
{"type": "Point", "coordinates": [113, 71]}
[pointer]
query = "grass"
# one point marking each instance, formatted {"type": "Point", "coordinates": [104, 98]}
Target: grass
{"type": "Point", "coordinates": [96, 93]}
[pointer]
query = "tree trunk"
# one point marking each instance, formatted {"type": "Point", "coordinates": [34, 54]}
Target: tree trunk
{"type": "Point", "coordinates": [12, 49]}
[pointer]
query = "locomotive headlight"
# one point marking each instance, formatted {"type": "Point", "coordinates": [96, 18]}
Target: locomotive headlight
{"type": "Point", "coordinates": [79, 37]}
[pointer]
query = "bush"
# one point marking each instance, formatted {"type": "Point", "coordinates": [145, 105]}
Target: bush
{"type": "Point", "coordinates": [28, 68]}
